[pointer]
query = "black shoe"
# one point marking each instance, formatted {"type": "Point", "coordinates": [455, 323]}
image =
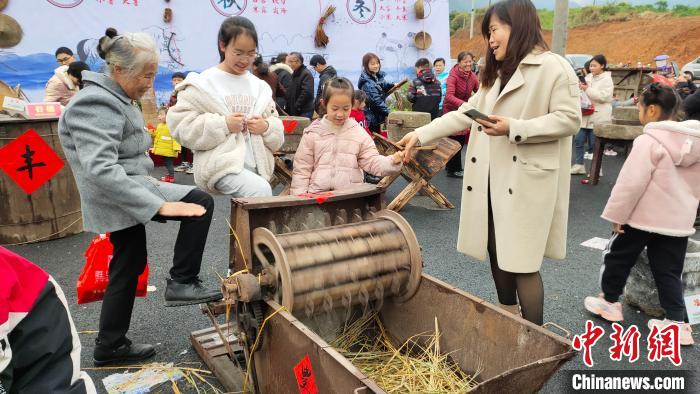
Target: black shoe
{"type": "Point", "coordinates": [180, 294]}
{"type": "Point", "coordinates": [455, 174]}
{"type": "Point", "coordinates": [126, 352]}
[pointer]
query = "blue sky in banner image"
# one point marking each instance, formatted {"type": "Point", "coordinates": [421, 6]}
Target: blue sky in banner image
{"type": "Point", "coordinates": [32, 71]}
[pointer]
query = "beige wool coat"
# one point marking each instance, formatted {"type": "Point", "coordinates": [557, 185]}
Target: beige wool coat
{"type": "Point", "coordinates": [528, 169]}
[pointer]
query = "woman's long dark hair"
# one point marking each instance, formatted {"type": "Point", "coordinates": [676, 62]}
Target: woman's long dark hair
{"type": "Point", "coordinates": [525, 35]}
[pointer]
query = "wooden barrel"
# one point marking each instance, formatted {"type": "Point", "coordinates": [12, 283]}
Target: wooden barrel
{"type": "Point", "coordinates": [53, 210]}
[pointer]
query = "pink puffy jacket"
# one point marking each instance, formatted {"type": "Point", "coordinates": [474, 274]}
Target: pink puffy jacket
{"type": "Point", "coordinates": [658, 188]}
{"type": "Point", "coordinates": [332, 157]}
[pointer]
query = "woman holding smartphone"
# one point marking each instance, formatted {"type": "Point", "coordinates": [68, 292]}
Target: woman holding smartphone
{"type": "Point", "coordinates": [515, 198]}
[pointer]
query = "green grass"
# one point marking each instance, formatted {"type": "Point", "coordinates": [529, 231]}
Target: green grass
{"type": "Point", "coordinates": [610, 11]}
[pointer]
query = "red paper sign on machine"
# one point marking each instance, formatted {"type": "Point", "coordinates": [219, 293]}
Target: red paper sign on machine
{"type": "Point", "coordinates": [306, 381]}
{"type": "Point", "coordinates": [29, 161]}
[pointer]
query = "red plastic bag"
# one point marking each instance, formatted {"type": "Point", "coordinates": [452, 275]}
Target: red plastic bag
{"type": "Point", "coordinates": [92, 282]}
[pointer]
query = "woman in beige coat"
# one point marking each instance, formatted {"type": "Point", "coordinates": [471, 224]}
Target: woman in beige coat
{"type": "Point", "coordinates": [515, 198]}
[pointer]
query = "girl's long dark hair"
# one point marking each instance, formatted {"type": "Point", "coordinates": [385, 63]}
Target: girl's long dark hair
{"type": "Point", "coordinates": [525, 35]}
{"type": "Point", "coordinates": [231, 28]}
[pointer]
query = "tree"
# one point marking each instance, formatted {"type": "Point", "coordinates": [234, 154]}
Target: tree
{"type": "Point", "coordinates": [661, 5]}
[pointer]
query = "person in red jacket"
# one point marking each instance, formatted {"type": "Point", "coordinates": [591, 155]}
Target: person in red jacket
{"type": "Point", "coordinates": [359, 98]}
{"type": "Point", "coordinates": [39, 346]}
{"type": "Point", "coordinates": [461, 84]}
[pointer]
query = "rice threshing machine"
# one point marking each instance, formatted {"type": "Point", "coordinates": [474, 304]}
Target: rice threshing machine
{"type": "Point", "coordinates": [303, 268]}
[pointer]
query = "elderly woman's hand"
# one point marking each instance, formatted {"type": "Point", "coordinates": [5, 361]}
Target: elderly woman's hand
{"type": "Point", "coordinates": [235, 122]}
{"type": "Point", "coordinates": [183, 209]}
{"type": "Point", "coordinates": [257, 124]}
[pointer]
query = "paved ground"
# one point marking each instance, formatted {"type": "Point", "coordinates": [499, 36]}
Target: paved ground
{"type": "Point", "coordinates": [566, 282]}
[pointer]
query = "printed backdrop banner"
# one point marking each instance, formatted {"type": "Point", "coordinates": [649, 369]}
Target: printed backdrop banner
{"type": "Point", "coordinates": [188, 43]}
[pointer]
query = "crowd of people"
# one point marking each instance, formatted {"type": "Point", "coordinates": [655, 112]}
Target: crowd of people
{"type": "Point", "coordinates": [516, 173]}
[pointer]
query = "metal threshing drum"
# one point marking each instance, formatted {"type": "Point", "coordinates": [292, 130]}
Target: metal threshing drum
{"type": "Point", "coordinates": [322, 269]}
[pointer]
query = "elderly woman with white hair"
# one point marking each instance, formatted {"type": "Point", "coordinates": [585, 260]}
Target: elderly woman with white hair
{"type": "Point", "coordinates": [103, 136]}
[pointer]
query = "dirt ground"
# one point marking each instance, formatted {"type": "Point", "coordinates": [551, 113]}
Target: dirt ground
{"type": "Point", "coordinates": [636, 40]}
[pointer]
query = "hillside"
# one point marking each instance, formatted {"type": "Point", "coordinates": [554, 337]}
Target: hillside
{"type": "Point", "coordinates": [639, 39]}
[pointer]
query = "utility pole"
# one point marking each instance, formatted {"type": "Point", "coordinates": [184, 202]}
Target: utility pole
{"type": "Point", "coordinates": [471, 24]}
{"type": "Point", "coordinates": [559, 32]}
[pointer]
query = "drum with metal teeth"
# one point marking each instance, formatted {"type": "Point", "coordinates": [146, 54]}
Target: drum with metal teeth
{"type": "Point", "coordinates": [340, 266]}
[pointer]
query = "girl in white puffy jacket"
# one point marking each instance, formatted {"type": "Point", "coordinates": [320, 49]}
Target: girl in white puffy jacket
{"type": "Point", "coordinates": [227, 116]}
{"type": "Point", "coordinates": [599, 88]}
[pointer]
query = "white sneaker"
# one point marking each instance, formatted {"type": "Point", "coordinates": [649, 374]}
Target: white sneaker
{"type": "Point", "coordinates": [588, 156]}
{"type": "Point", "coordinates": [190, 170]}
{"type": "Point", "coordinates": [182, 167]}
{"type": "Point", "coordinates": [610, 311]}
{"type": "Point", "coordinates": [578, 169]}
{"type": "Point", "coordinates": [685, 333]}
{"type": "Point", "coordinates": [610, 152]}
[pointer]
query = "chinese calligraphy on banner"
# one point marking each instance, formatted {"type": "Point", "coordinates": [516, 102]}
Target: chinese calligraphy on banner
{"type": "Point", "coordinates": [188, 43]}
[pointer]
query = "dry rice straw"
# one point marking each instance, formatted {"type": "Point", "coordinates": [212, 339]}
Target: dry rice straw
{"type": "Point", "coordinates": [411, 367]}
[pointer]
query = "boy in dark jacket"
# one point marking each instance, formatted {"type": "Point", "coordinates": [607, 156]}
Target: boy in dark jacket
{"type": "Point", "coordinates": [300, 95]}
{"type": "Point", "coordinates": [425, 92]}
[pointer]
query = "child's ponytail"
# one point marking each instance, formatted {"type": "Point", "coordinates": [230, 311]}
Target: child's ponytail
{"type": "Point", "coordinates": [663, 97]}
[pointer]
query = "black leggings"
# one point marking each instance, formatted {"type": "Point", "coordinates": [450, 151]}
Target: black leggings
{"type": "Point", "coordinates": [129, 261]}
{"type": "Point", "coordinates": [455, 163]}
{"type": "Point", "coordinates": [512, 287]}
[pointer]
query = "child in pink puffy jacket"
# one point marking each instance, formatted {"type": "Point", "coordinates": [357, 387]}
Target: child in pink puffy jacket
{"type": "Point", "coordinates": [653, 205]}
{"type": "Point", "coordinates": [335, 149]}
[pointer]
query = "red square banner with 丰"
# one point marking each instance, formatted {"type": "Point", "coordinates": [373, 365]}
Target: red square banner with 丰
{"type": "Point", "coordinates": [29, 161]}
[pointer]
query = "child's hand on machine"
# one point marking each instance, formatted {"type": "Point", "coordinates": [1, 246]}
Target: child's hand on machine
{"type": "Point", "coordinates": [397, 157]}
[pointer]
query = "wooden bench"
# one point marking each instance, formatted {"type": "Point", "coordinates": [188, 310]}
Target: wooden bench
{"type": "Point", "coordinates": [624, 129]}
{"type": "Point", "coordinates": [425, 163]}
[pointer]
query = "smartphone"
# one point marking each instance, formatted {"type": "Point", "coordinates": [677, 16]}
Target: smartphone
{"type": "Point", "coordinates": [474, 114]}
